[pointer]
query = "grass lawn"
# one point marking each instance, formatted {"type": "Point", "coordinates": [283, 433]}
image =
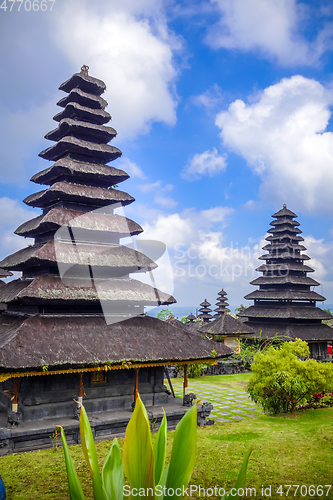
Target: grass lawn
{"type": "Point", "coordinates": [289, 449]}
{"type": "Point", "coordinates": [237, 382]}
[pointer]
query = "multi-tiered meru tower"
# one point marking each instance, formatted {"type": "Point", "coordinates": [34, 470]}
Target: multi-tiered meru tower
{"type": "Point", "coordinates": [73, 326]}
{"type": "Point", "coordinates": [286, 301]}
{"type": "Point", "coordinates": [221, 304]}
{"type": "Point", "coordinates": [205, 311]}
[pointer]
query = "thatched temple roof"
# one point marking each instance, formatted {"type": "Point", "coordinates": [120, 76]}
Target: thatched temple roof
{"type": "Point", "coordinates": [27, 343]}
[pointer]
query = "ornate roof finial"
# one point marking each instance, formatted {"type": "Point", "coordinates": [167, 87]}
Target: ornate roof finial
{"type": "Point", "coordinates": [85, 69]}
{"type": "Point", "coordinates": [284, 205]}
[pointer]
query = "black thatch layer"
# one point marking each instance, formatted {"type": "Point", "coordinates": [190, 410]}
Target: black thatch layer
{"type": "Point", "coordinates": [77, 193]}
{"type": "Point", "coordinates": [284, 212]}
{"type": "Point", "coordinates": [26, 343]}
{"type": "Point", "coordinates": [286, 311]}
{"type": "Point", "coordinates": [52, 290]}
{"type": "Point", "coordinates": [226, 325]}
{"type": "Point", "coordinates": [79, 149]}
{"type": "Point", "coordinates": [75, 170]}
{"type": "Point", "coordinates": [53, 253]}
{"type": "Point", "coordinates": [84, 99]}
{"type": "Point", "coordinates": [99, 133]}
{"type": "Point", "coordinates": [299, 330]}
{"type": "Point", "coordinates": [88, 221]}
{"type": "Point", "coordinates": [284, 295]}
{"type": "Point", "coordinates": [284, 220]}
{"type": "Point", "coordinates": [284, 255]}
{"type": "Point", "coordinates": [283, 280]}
{"type": "Point", "coordinates": [291, 266]}
{"type": "Point", "coordinates": [74, 110]}
{"type": "Point", "coordinates": [281, 236]}
{"type": "Point", "coordinates": [84, 82]}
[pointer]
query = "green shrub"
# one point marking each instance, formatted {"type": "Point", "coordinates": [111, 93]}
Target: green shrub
{"type": "Point", "coordinates": [164, 314]}
{"type": "Point", "coordinates": [283, 377]}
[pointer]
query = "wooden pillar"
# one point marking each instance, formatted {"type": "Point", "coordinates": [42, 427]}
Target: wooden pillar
{"type": "Point", "coordinates": [80, 393]}
{"type": "Point", "coordinates": [136, 387]}
{"type": "Point", "coordinates": [185, 381]}
{"type": "Point", "coordinates": [169, 380]}
{"type": "Point", "coordinates": [15, 396]}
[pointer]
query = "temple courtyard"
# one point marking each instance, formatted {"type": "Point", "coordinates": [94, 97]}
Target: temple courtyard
{"type": "Point", "coordinates": [226, 393]}
{"type": "Point", "coordinates": [287, 450]}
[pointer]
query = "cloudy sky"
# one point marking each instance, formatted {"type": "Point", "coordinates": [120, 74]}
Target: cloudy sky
{"type": "Point", "coordinates": [223, 112]}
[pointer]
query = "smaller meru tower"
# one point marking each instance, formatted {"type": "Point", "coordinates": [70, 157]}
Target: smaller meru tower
{"type": "Point", "coordinates": [285, 302]}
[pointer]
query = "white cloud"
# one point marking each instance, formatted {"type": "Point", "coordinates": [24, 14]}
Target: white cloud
{"type": "Point", "coordinates": [211, 98]}
{"type": "Point", "coordinates": [282, 137]}
{"type": "Point", "coordinates": [159, 193]}
{"type": "Point", "coordinates": [20, 140]}
{"type": "Point", "coordinates": [270, 26]}
{"type": "Point", "coordinates": [128, 45]}
{"type": "Point", "coordinates": [130, 167]}
{"type": "Point", "coordinates": [207, 163]}
{"type": "Point", "coordinates": [202, 260]}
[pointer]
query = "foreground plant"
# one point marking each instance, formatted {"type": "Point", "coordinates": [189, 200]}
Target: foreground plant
{"type": "Point", "coordinates": [142, 462]}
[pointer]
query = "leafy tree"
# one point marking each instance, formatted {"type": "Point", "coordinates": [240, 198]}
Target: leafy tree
{"type": "Point", "coordinates": [184, 319]}
{"type": "Point", "coordinates": [284, 377]}
{"type": "Point", "coordinates": [164, 314]}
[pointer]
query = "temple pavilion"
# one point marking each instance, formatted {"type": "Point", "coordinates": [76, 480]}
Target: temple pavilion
{"type": "Point", "coordinates": [225, 328]}
{"type": "Point", "coordinates": [285, 302]}
{"type": "Point", "coordinates": [73, 326]}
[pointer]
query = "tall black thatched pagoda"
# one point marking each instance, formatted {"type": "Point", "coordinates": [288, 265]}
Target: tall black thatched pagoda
{"type": "Point", "coordinates": [73, 328]}
{"type": "Point", "coordinates": [285, 303]}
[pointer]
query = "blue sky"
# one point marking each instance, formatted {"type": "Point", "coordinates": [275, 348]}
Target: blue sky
{"type": "Point", "coordinates": [223, 112]}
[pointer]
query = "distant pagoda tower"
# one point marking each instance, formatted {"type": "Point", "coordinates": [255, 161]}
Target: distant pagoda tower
{"type": "Point", "coordinates": [221, 304]}
{"type": "Point", "coordinates": [191, 318]}
{"type": "Point", "coordinates": [75, 318]}
{"type": "Point", "coordinates": [205, 311]}
{"type": "Point", "coordinates": [285, 303]}
{"type": "Point", "coordinates": [224, 327]}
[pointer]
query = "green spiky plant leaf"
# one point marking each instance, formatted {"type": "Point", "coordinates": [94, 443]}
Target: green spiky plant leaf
{"type": "Point", "coordinates": [113, 473]}
{"type": "Point", "coordinates": [138, 456]}
{"type": "Point", "coordinates": [89, 451]}
{"type": "Point", "coordinates": [241, 479]}
{"type": "Point", "coordinates": [74, 486]}
{"type": "Point", "coordinates": [183, 452]}
{"type": "Point", "coordinates": [159, 450]}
